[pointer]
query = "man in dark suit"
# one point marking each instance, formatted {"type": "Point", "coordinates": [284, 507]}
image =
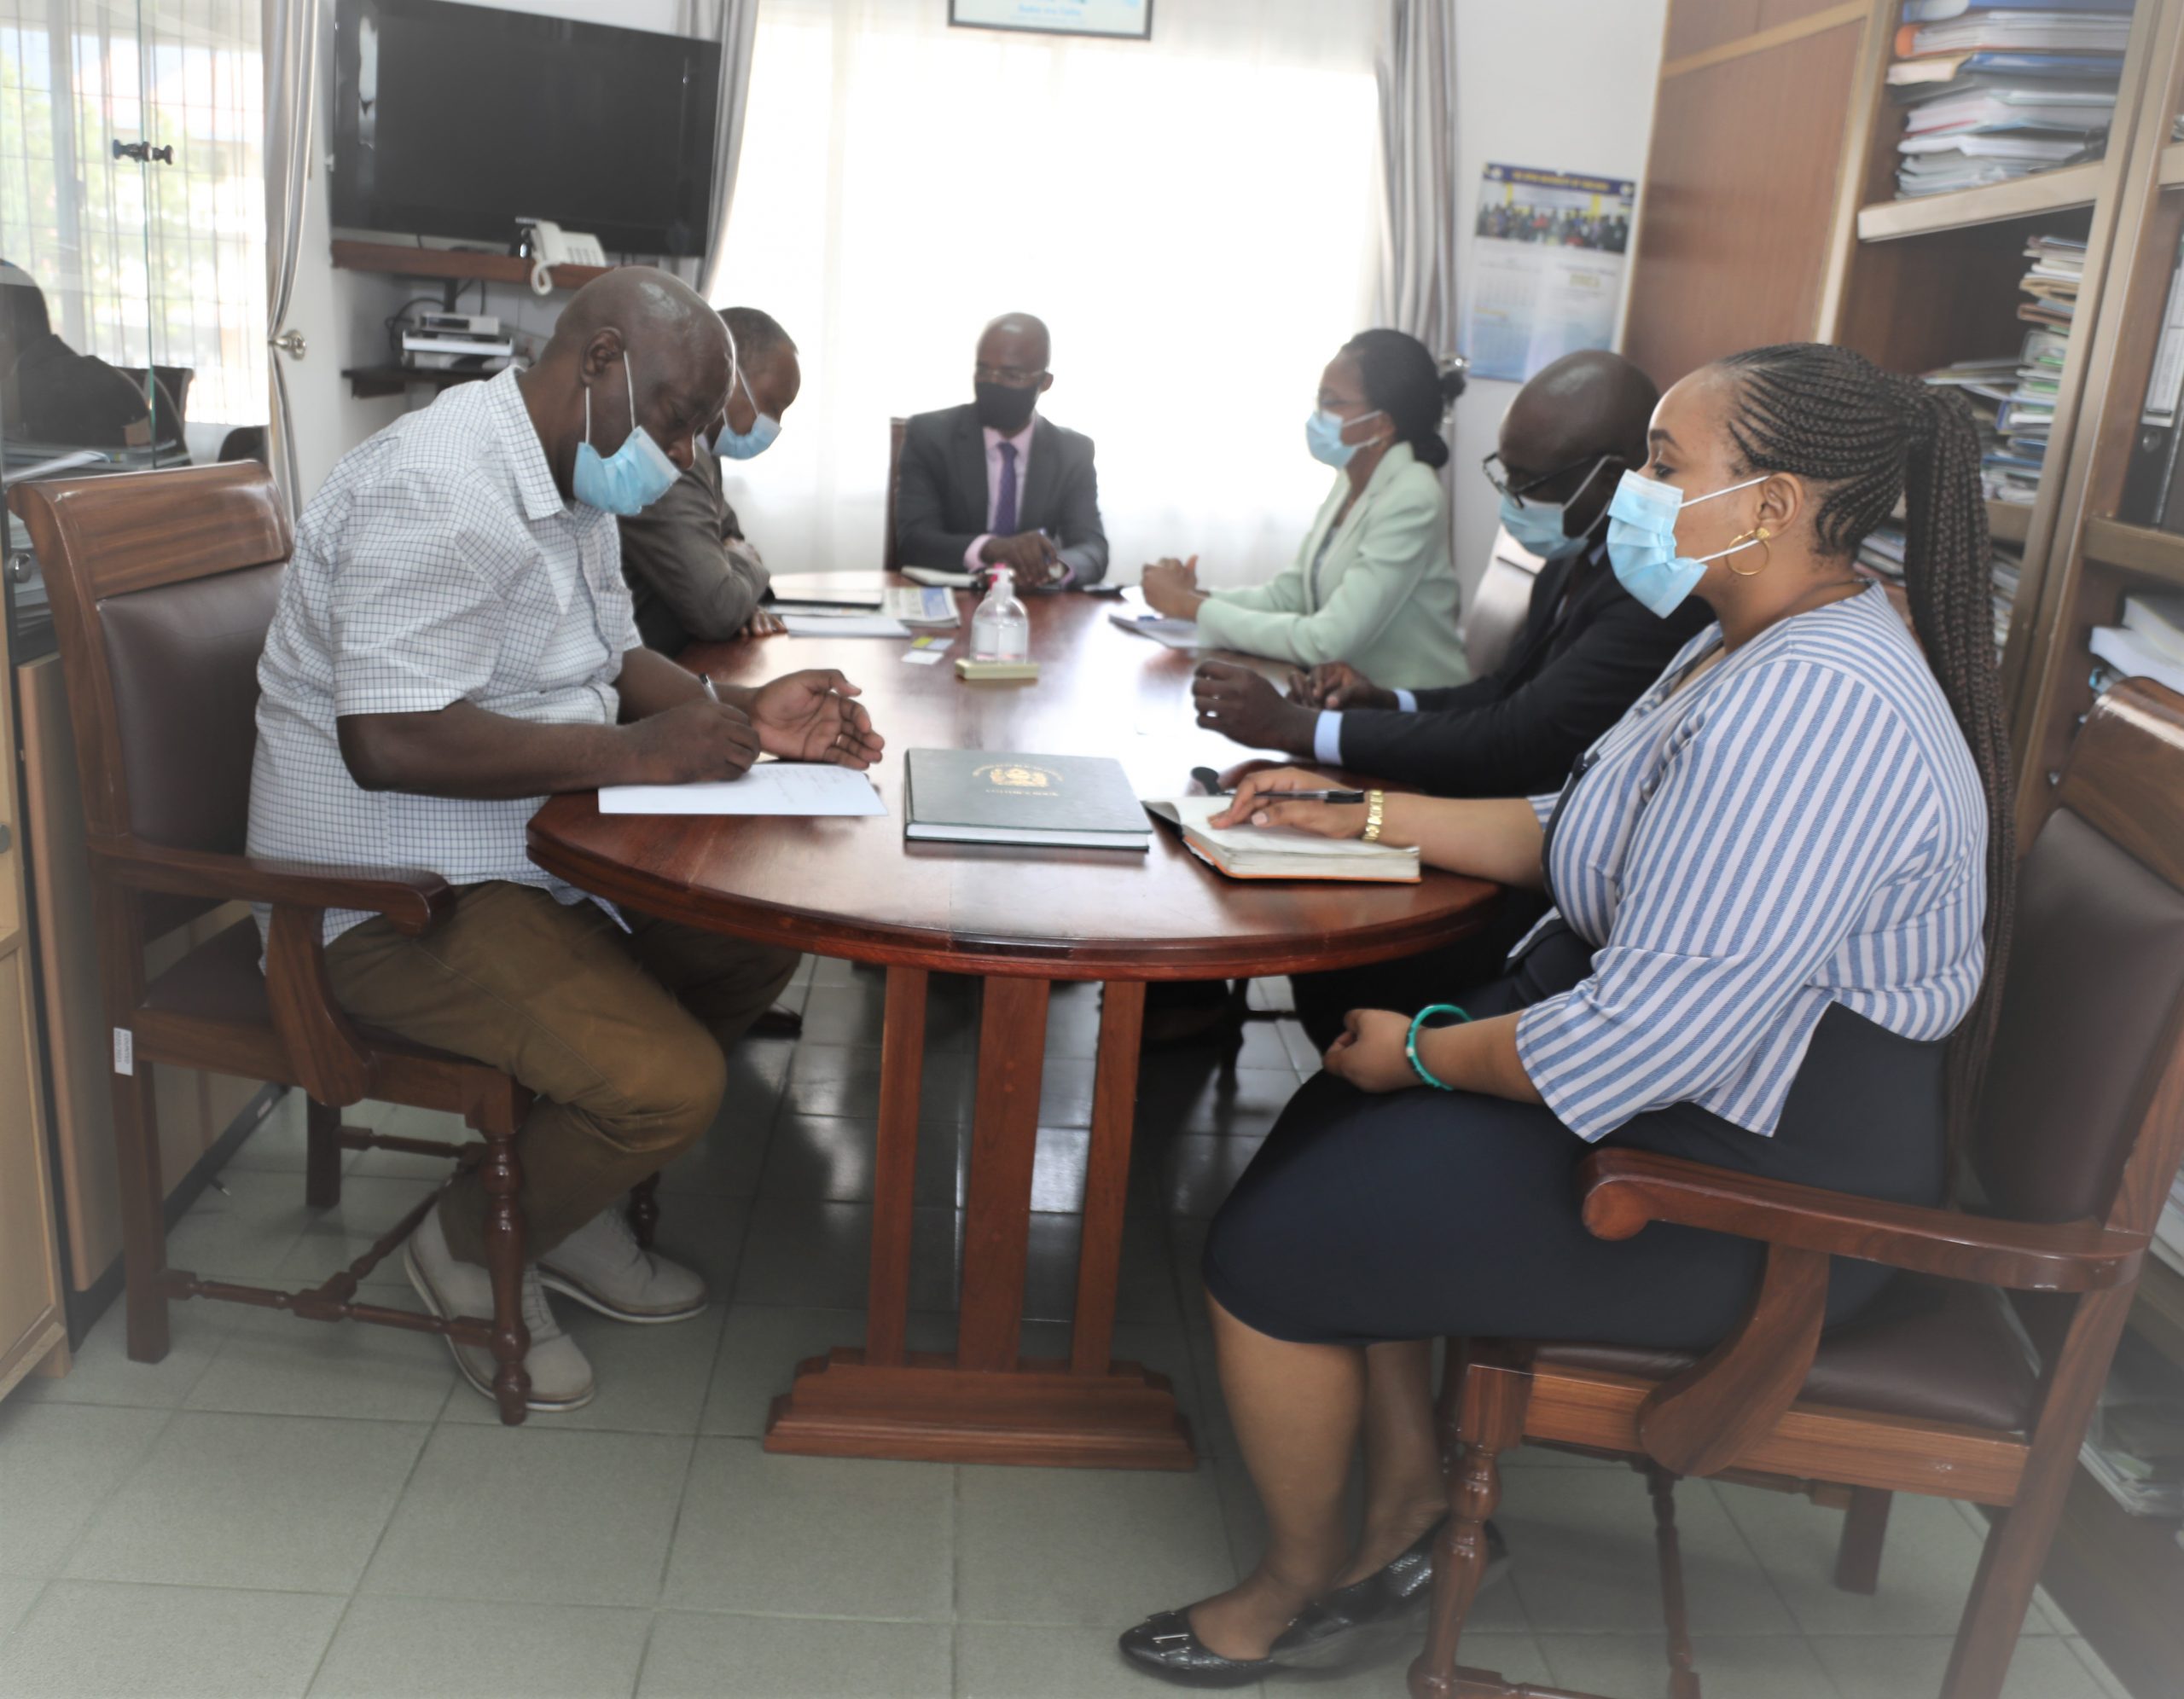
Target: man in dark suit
{"type": "Point", "coordinates": [1587, 651]}
{"type": "Point", "coordinates": [991, 483]}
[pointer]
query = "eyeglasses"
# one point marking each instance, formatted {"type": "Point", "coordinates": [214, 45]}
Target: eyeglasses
{"type": "Point", "coordinates": [1517, 492]}
{"type": "Point", "coordinates": [1011, 377]}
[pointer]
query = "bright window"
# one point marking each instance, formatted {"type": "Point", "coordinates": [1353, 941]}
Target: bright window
{"type": "Point", "coordinates": [1194, 218]}
{"type": "Point", "coordinates": [159, 264]}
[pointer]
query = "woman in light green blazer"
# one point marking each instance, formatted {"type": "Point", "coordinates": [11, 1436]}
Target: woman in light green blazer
{"type": "Point", "coordinates": [1373, 585]}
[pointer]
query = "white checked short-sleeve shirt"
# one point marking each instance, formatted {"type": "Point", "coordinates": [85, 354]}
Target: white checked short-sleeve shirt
{"type": "Point", "coordinates": [437, 564]}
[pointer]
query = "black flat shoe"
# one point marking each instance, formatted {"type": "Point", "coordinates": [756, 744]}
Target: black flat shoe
{"type": "Point", "coordinates": [1352, 1622]}
{"type": "Point", "coordinates": [1164, 1645]}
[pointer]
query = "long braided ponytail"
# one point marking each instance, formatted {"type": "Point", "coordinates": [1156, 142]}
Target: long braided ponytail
{"type": "Point", "coordinates": [1866, 437]}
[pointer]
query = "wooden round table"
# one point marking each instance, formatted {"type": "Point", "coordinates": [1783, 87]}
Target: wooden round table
{"type": "Point", "coordinates": [1019, 919]}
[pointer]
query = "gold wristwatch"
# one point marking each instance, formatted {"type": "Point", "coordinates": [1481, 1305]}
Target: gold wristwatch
{"type": "Point", "coordinates": [1375, 802]}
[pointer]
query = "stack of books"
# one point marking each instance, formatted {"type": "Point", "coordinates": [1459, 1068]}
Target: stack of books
{"type": "Point", "coordinates": [2148, 644]}
{"type": "Point", "coordinates": [2134, 1444]}
{"type": "Point", "coordinates": [1995, 89]}
{"type": "Point", "coordinates": [2013, 397]}
{"type": "Point", "coordinates": [1987, 386]}
{"type": "Point", "coordinates": [1881, 555]}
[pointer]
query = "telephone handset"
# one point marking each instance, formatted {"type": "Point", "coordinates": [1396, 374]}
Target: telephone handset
{"type": "Point", "coordinates": [551, 245]}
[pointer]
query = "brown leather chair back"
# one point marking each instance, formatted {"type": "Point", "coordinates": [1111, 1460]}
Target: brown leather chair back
{"type": "Point", "coordinates": [890, 555]}
{"type": "Point", "coordinates": [163, 584]}
{"type": "Point", "coordinates": [2093, 1010]}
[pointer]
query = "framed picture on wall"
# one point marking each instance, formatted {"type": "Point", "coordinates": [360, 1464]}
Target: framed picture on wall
{"type": "Point", "coordinates": [1118, 20]}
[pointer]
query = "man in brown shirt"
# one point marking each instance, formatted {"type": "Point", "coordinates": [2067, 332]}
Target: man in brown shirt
{"type": "Point", "coordinates": [693, 575]}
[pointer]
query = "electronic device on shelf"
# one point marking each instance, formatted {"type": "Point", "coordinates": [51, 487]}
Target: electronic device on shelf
{"type": "Point", "coordinates": [547, 245]}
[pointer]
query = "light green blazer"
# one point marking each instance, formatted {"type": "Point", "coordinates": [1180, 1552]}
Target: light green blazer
{"type": "Point", "coordinates": [1387, 596]}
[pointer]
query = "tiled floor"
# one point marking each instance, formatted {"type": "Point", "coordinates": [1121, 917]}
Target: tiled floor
{"type": "Point", "coordinates": [281, 1508]}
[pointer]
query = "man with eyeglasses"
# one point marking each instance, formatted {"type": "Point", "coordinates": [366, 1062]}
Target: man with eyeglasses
{"type": "Point", "coordinates": [1586, 649]}
{"type": "Point", "coordinates": [991, 483]}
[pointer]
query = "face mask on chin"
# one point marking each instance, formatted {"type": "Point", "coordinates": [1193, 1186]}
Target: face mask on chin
{"type": "Point", "coordinates": [1004, 407]}
{"type": "Point", "coordinates": [631, 478]}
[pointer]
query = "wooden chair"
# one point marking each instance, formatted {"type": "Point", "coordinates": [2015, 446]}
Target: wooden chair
{"type": "Point", "coordinates": [2076, 1143]}
{"type": "Point", "coordinates": [163, 584]}
{"type": "Point", "coordinates": [891, 557]}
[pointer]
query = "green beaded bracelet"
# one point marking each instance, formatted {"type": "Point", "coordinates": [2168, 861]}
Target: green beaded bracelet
{"type": "Point", "coordinates": [1410, 1043]}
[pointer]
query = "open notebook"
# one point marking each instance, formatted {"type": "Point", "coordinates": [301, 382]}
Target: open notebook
{"type": "Point", "coordinates": [1275, 852]}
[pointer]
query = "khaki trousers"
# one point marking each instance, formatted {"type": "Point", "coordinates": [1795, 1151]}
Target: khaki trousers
{"type": "Point", "coordinates": [620, 1036]}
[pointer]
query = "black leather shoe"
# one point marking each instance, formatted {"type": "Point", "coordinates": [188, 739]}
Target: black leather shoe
{"type": "Point", "coordinates": [1352, 1622]}
{"type": "Point", "coordinates": [1164, 1645]}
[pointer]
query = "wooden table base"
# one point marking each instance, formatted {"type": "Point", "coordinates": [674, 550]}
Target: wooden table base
{"type": "Point", "coordinates": [984, 1403]}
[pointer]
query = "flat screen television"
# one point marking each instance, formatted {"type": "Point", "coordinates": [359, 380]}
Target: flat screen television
{"type": "Point", "coordinates": [456, 120]}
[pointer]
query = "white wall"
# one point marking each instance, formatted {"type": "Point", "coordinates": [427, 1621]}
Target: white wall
{"type": "Point", "coordinates": [1564, 85]}
{"type": "Point", "coordinates": [342, 314]}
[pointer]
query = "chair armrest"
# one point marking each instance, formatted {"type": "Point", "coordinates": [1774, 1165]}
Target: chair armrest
{"type": "Point", "coordinates": [411, 899]}
{"type": "Point", "coordinates": [1624, 1190]}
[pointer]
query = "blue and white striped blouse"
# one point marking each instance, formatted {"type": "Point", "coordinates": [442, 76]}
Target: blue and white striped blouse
{"type": "Point", "coordinates": [1800, 827]}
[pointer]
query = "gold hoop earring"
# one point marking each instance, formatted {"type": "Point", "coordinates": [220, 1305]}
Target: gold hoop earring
{"type": "Point", "coordinates": [1758, 533]}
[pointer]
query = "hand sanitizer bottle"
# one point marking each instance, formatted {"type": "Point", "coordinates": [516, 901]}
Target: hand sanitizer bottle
{"type": "Point", "coordinates": [1000, 629]}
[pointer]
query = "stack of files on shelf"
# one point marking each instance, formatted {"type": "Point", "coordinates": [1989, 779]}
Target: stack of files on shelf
{"type": "Point", "coordinates": [2153, 490]}
{"type": "Point", "coordinates": [1882, 554]}
{"type": "Point", "coordinates": [2169, 1234]}
{"type": "Point", "coordinates": [2134, 1445]}
{"type": "Point", "coordinates": [2003, 89]}
{"type": "Point", "coordinates": [1985, 387]}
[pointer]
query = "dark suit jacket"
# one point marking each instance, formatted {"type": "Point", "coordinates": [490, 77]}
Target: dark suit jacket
{"type": "Point", "coordinates": [941, 504]}
{"type": "Point", "coordinates": [1581, 660]}
{"type": "Point", "coordinates": [691, 574]}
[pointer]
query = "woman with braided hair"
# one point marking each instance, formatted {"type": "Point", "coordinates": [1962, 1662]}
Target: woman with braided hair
{"type": "Point", "coordinates": [1779, 884]}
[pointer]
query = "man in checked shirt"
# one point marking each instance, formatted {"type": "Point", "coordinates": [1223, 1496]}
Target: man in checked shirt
{"type": "Point", "coordinates": [455, 643]}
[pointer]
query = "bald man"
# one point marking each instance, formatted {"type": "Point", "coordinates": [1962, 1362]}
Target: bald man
{"type": "Point", "coordinates": [1587, 651]}
{"type": "Point", "coordinates": [992, 484]}
{"type": "Point", "coordinates": [453, 644]}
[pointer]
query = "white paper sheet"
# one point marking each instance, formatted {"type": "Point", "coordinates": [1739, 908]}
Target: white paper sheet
{"type": "Point", "coordinates": [844, 625]}
{"type": "Point", "coordinates": [1176, 633]}
{"type": "Point", "coordinates": [771, 787]}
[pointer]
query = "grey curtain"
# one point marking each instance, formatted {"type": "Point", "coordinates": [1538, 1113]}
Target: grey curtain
{"type": "Point", "coordinates": [734, 25]}
{"type": "Point", "coordinates": [291, 28]}
{"type": "Point", "coordinates": [1417, 73]}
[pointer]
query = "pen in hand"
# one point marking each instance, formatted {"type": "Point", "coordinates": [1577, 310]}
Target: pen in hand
{"type": "Point", "coordinates": [1210, 782]}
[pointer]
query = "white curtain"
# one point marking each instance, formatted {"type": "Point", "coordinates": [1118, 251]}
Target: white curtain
{"type": "Point", "coordinates": [1194, 217]}
{"type": "Point", "coordinates": [1417, 74]}
{"type": "Point", "coordinates": [292, 41]}
{"type": "Point", "coordinates": [734, 25]}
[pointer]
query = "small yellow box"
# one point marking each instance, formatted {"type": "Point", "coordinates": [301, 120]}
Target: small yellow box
{"type": "Point", "coordinates": [982, 672]}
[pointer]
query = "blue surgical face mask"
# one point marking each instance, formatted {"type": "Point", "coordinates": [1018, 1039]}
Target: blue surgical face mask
{"type": "Point", "coordinates": [636, 475]}
{"type": "Point", "coordinates": [1642, 540]}
{"type": "Point", "coordinates": [748, 444]}
{"type": "Point", "coordinates": [1323, 438]}
{"type": "Point", "coordinates": [1539, 526]}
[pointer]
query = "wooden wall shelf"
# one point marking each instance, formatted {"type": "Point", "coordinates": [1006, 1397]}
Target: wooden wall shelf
{"type": "Point", "coordinates": [463, 265]}
{"type": "Point", "coordinates": [2055, 191]}
{"type": "Point", "coordinates": [2157, 553]}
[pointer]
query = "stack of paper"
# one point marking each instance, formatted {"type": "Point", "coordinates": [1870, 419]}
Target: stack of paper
{"type": "Point", "coordinates": [2134, 1445]}
{"type": "Point", "coordinates": [2003, 89]}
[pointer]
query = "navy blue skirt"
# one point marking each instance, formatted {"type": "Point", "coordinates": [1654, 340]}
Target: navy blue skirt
{"type": "Point", "coordinates": [1415, 1214]}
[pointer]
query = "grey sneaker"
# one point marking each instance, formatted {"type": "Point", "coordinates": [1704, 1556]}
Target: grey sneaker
{"type": "Point", "coordinates": [560, 1375]}
{"type": "Point", "coordinates": [602, 1265]}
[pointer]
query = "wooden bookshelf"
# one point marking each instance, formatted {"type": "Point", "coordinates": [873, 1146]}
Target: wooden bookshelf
{"type": "Point", "coordinates": [1915, 285]}
{"type": "Point", "coordinates": [1997, 203]}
